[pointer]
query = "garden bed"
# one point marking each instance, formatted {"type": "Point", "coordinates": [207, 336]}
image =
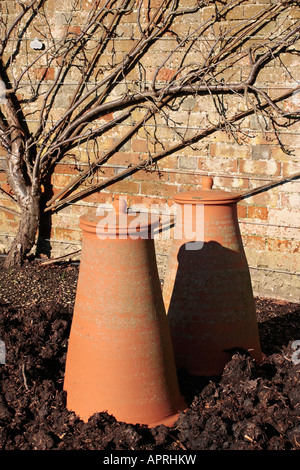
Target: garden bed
{"type": "Point", "coordinates": [251, 407]}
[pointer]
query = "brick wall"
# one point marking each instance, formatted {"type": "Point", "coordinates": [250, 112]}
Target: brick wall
{"type": "Point", "coordinates": [269, 221]}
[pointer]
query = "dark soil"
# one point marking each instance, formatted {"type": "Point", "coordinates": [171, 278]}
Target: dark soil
{"type": "Point", "coordinates": [249, 407]}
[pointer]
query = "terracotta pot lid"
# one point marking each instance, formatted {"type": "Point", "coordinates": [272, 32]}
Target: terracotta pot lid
{"type": "Point", "coordinates": [207, 195]}
{"type": "Point", "coordinates": [118, 221]}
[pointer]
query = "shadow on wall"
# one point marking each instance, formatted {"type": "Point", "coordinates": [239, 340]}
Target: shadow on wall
{"type": "Point", "coordinates": [43, 245]}
{"type": "Point", "coordinates": [212, 308]}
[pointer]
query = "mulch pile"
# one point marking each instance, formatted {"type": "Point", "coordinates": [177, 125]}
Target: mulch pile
{"type": "Point", "coordinates": [249, 407]}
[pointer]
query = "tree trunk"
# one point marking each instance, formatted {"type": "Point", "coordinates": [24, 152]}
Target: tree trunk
{"type": "Point", "coordinates": [27, 230]}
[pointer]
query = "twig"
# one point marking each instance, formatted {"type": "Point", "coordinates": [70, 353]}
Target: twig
{"type": "Point", "coordinates": [178, 443]}
{"type": "Point", "coordinates": [24, 376]}
{"type": "Point", "coordinates": [60, 258]}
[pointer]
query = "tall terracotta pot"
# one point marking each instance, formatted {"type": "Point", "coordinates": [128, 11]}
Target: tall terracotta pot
{"type": "Point", "coordinates": [207, 291]}
{"type": "Point", "coordinates": [120, 357]}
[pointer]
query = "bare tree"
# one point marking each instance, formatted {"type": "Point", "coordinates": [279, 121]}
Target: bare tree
{"type": "Point", "coordinates": [203, 56]}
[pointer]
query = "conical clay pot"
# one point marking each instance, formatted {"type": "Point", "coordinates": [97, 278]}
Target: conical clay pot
{"type": "Point", "coordinates": [207, 291]}
{"type": "Point", "coordinates": [120, 357]}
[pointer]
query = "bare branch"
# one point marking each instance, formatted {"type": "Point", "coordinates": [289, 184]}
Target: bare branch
{"type": "Point", "coordinates": [19, 18]}
{"type": "Point", "coordinates": [184, 143]}
{"type": "Point", "coordinates": [152, 32]}
{"type": "Point", "coordinates": [150, 112]}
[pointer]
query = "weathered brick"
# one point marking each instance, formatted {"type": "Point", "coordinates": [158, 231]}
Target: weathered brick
{"type": "Point", "coordinates": [124, 159]}
{"type": "Point", "coordinates": [290, 168]}
{"type": "Point", "coordinates": [74, 30]}
{"type": "Point", "coordinates": [12, 226]}
{"type": "Point", "coordinates": [207, 13]}
{"type": "Point", "coordinates": [151, 175]}
{"type": "Point", "coordinates": [87, 4]}
{"type": "Point", "coordinates": [260, 152]}
{"type": "Point", "coordinates": [223, 149]}
{"type": "Point", "coordinates": [125, 187]}
{"type": "Point", "coordinates": [284, 216]}
{"type": "Point", "coordinates": [190, 163]}
{"type": "Point", "coordinates": [67, 169]}
{"type": "Point", "coordinates": [6, 187]}
{"type": "Point", "coordinates": [260, 167]}
{"type": "Point", "coordinates": [255, 212]}
{"type": "Point", "coordinates": [234, 183]}
{"type": "Point", "coordinates": [99, 197]}
{"type": "Point", "coordinates": [251, 11]}
{"type": "Point", "coordinates": [189, 104]}
{"type": "Point", "coordinates": [165, 74]}
{"type": "Point", "coordinates": [273, 75]}
{"type": "Point", "coordinates": [267, 259]}
{"type": "Point", "coordinates": [139, 145]}
{"type": "Point", "coordinates": [278, 154]}
{"type": "Point", "coordinates": [268, 229]}
{"type": "Point", "coordinates": [236, 13]}
{"type": "Point", "coordinates": [268, 198]}
{"type": "Point", "coordinates": [66, 234]}
{"type": "Point", "coordinates": [123, 45]}
{"type": "Point", "coordinates": [44, 73]}
{"type": "Point", "coordinates": [157, 189]}
{"type": "Point", "coordinates": [61, 180]}
{"type": "Point", "coordinates": [65, 221]}
{"type": "Point", "coordinates": [7, 215]}
{"type": "Point", "coordinates": [257, 243]}
{"type": "Point", "coordinates": [291, 200]}
{"type": "Point", "coordinates": [242, 210]}
{"type": "Point", "coordinates": [184, 178]}
{"type": "Point", "coordinates": [279, 245]}
{"type": "Point", "coordinates": [147, 201]}
{"type": "Point", "coordinates": [169, 162]}
{"type": "Point", "coordinates": [222, 136]}
{"type": "Point", "coordinates": [106, 117]}
{"type": "Point", "coordinates": [218, 165]}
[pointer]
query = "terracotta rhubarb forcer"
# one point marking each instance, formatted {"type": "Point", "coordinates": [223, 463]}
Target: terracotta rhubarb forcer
{"type": "Point", "coordinates": [207, 291]}
{"type": "Point", "coordinates": [120, 357]}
